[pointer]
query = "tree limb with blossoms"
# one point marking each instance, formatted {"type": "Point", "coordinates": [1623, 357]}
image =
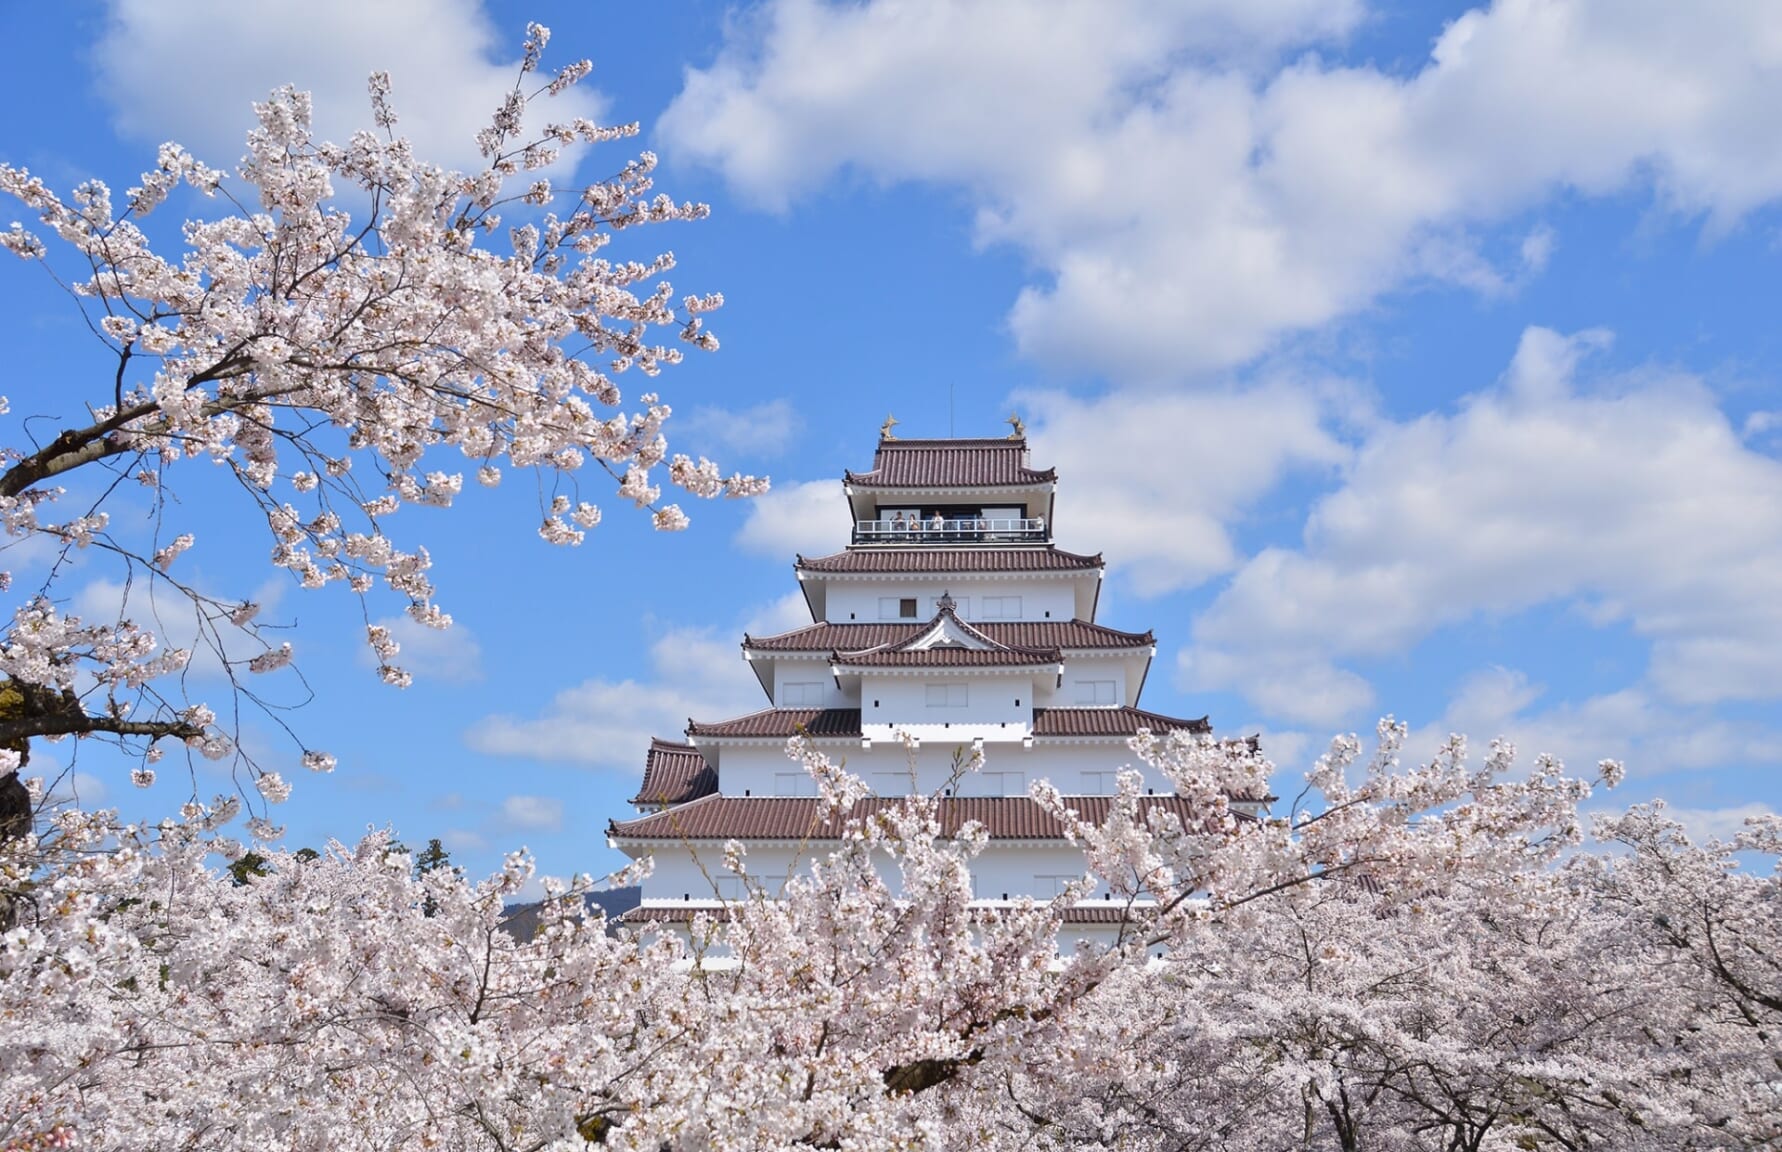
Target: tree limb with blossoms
{"type": "Point", "coordinates": [1421, 960]}
{"type": "Point", "coordinates": [349, 331]}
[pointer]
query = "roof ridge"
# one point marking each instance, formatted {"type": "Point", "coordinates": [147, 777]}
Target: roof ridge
{"type": "Point", "coordinates": [915, 629]}
{"type": "Point", "coordinates": [950, 441]}
{"type": "Point", "coordinates": [1019, 817]}
{"type": "Point", "coordinates": [1005, 553]}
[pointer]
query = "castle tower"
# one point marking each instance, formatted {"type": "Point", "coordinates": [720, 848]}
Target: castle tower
{"type": "Point", "coordinates": [951, 617]}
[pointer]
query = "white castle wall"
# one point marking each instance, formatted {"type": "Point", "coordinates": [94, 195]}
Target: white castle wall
{"type": "Point", "coordinates": [1014, 869]}
{"type": "Point", "coordinates": [859, 602]}
{"type": "Point", "coordinates": [940, 707]}
{"type": "Point", "coordinates": [1076, 769]}
{"type": "Point", "coordinates": [809, 684]}
{"type": "Point", "coordinates": [1087, 681]}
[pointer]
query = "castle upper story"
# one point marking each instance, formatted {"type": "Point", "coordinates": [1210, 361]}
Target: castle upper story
{"type": "Point", "coordinates": [950, 620]}
{"type": "Point", "coordinates": [951, 624]}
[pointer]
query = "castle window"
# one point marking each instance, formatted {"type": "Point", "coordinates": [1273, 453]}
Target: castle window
{"type": "Point", "coordinates": [892, 783]}
{"type": "Point", "coordinates": [1099, 783]}
{"type": "Point", "coordinates": [1095, 692]}
{"type": "Point", "coordinates": [794, 784]}
{"type": "Point", "coordinates": [801, 694]}
{"type": "Point", "coordinates": [1000, 607]}
{"type": "Point", "coordinates": [945, 695]}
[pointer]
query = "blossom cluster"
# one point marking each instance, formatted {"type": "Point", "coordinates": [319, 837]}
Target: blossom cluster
{"type": "Point", "coordinates": [344, 322]}
{"type": "Point", "coordinates": [1420, 957]}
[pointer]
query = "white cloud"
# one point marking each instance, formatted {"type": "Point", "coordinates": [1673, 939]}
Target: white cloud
{"type": "Point", "coordinates": [172, 617]}
{"type": "Point", "coordinates": [449, 654]}
{"type": "Point", "coordinates": [1634, 502]}
{"type": "Point", "coordinates": [765, 429]}
{"type": "Point", "coordinates": [809, 519]}
{"type": "Point", "coordinates": [1189, 199]}
{"type": "Point", "coordinates": [695, 673]}
{"type": "Point", "coordinates": [89, 790]}
{"type": "Point", "coordinates": [531, 814]}
{"type": "Point", "coordinates": [1705, 824]}
{"type": "Point", "coordinates": [1156, 481]}
{"type": "Point", "coordinates": [448, 70]}
{"type": "Point", "coordinates": [1650, 736]}
{"type": "Point", "coordinates": [788, 612]}
{"type": "Point", "coordinates": [1289, 750]}
{"type": "Point", "coordinates": [463, 840]}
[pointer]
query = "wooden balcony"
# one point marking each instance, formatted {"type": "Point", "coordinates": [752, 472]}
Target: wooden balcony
{"type": "Point", "coordinates": [952, 532]}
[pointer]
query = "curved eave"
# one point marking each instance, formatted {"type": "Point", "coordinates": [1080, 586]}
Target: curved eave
{"type": "Point", "coordinates": [944, 575]}
{"type": "Point", "coordinates": [853, 482]}
{"type": "Point", "coordinates": [839, 669]}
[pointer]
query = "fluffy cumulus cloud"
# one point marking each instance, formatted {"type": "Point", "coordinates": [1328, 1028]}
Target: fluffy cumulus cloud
{"type": "Point", "coordinates": [448, 70]}
{"type": "Point", "coordinates": [694, 673]}
{"type": "Point", "coordinates": [531, 813]}
{"type": "Point", "coordinates": [1156, 481]}
{"type": "Point", "coordinates": [1631, 499]}
{"type": "Point", "coordinates": [176, 622]}
{"type": "Point", "coordinates": [765, 429]}
{"type": "Point", "coordinates": [1647, 733]}
{"type": "Point", "coordinates": [449, 654]}
{"type": "Point", "coordinates": [807, 519]}
{"type": "Point", "coordinates": [1193, 185]}
{"type": "Point", "coordinates": [1704, 824]}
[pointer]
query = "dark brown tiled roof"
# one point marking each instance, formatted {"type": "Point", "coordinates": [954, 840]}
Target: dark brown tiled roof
{"type": "Point", "coordinates": [946, 622]}
{"type": "Point", "coordinates": [785, 722]}
{"type": "Point", "coordinates": [950, 464]}
{"type": "Point", "coordinates": [948, 658]}
{"type": "Point", "coordinates": [1015, 633]}
{"type": "Point", "coordinates": [1108, 722]}
{"type": "Point", "coordinates": [799, 818]}
{"type": "Point", "coordinates": [669, 914]}
{"type": "Point", "coordinates": [674, 774]}
{"type": "Point", "coordinates": [944, 560]}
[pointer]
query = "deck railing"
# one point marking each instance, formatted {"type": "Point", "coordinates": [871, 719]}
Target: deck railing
{"type": "Point", "coordinates": [951, 530]}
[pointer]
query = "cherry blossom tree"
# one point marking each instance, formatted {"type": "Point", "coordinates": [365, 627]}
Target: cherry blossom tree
{"type": "Point", "coordinates": [1421, 959]}
{"type": "Point", "coordinates": [341, 324]}
{"type": "Point", "coordinates": [1421, 956]}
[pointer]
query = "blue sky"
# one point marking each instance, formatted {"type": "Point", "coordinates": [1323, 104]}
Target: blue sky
{"type": "Point", "coordinates": [1407, 358]}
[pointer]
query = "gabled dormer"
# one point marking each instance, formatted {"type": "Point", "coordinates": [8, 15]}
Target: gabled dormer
{"type": "Point", "coordinates": [951, 493]}
{"type": "Point", "coordinates": [949, 681]}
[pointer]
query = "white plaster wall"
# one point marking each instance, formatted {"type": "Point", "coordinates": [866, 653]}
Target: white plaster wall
{"type": "Point", "coordinates": [1095, 937]}
{"type": "Point", "coordinates": [1023, 870]}
{"type": "Point", "coordinates": [1015, 869]}
{"type": "Point", "coordinates": [788, 675]}
{"type": "Point", "coordinates": [678, 878]}
{"type": "Point", "coordinates": [1053, 694]}
{"type": "Point", "coordinates": [996, 708]}
{"type": "Point", "coordinates": [750, 769]}
{"type": "Point", "coordinates": [1044, 691]}
{"type": "Point", "coordinates": [851, 601]}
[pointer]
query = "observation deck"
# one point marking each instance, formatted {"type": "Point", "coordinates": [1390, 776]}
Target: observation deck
{"type": "Point", "coordinates": [952, 531]}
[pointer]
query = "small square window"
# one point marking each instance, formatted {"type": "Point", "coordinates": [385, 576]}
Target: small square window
{"type": "Point", "coordinates": [794, 784]}
{"type": "Point", "coordinates": [946, 695]}
{"type": "Point", "coordinates": [892, 784]}
{"type": "Point", "coordinates": [801, 694]}
{"type": "Point", "coordinates": [1099, 783]}
{"type": "Point", "coordinates": [906, 608]}
{"type": "Point", "coordinates": [1095, 692]}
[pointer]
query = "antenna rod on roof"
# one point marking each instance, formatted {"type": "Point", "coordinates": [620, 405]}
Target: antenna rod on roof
{"type": "Point", "coordinates": [950, 431]}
